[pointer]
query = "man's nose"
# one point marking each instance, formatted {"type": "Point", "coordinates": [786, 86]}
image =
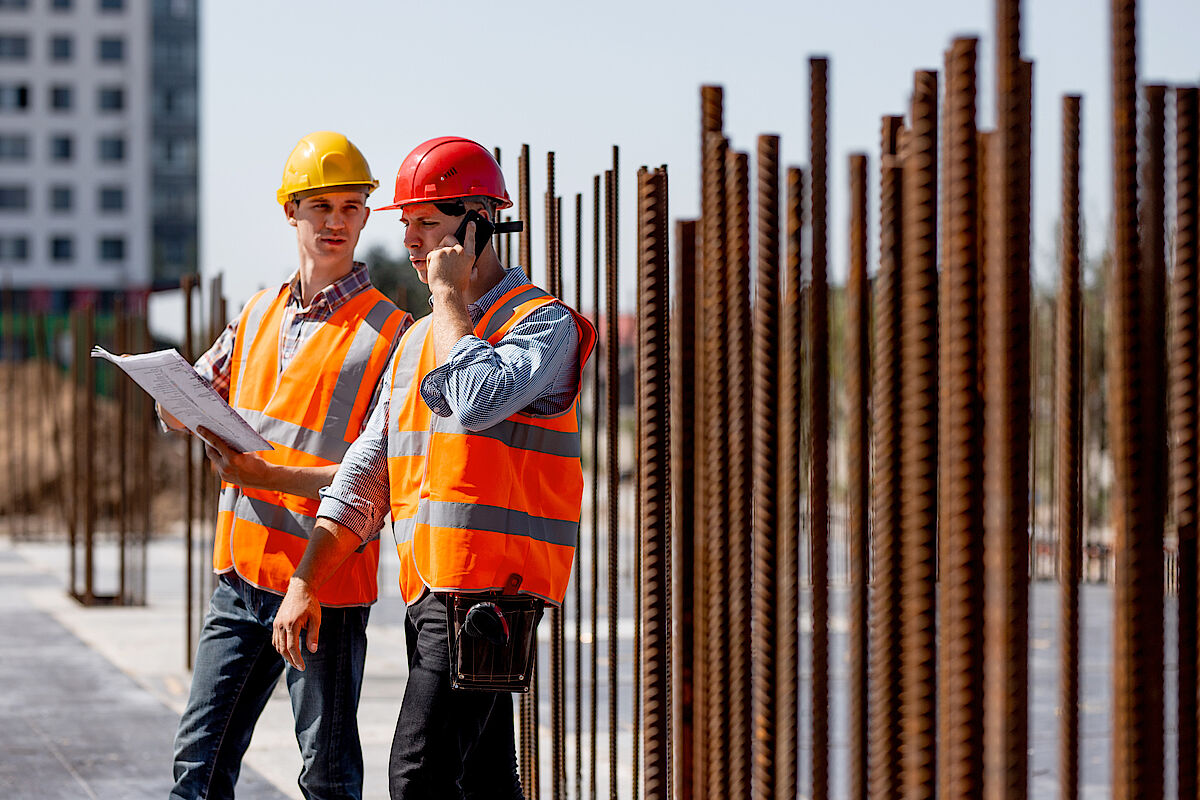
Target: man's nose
{"type": "Point", "coordinates": [335, 219]}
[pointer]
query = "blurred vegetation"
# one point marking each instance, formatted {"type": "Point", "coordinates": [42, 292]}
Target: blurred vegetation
{"type": "Point", "coordinates": [394, 276]}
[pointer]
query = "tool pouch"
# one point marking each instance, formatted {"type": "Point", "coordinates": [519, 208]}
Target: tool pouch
{"type": "Point", "coordinates": [492, 638]}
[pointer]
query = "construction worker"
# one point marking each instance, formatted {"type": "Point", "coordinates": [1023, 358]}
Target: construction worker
{"type": "Point", "coordinates": [303, 364]}
{"type": "Point", "coordinates": [476, 454]}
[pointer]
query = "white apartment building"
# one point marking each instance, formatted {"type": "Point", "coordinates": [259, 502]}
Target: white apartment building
{"type": "Point", "coordinates": [98, 144]}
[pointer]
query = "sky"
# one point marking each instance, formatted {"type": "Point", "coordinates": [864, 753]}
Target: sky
{"type": "Point", "coordinates": [577, 78]}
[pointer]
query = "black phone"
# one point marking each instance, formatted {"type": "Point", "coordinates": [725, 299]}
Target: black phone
{"type": "Point", "coordinates": [483, 230]}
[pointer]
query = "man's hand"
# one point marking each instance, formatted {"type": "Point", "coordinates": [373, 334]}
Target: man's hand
{"type": "Point", "coordinates": [248, 470]}
{"type": "Point", "coordinates": [298, 611]}
{"type": "Point", "coordinates": [452, 265]}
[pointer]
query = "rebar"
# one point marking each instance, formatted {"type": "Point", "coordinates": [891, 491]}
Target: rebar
{"type": "Point", "coordinates": [818, 494]}
{"type": "Point", "coordinates": [858, 386]}
{"type": "Point", "coordinates": [960, 543]}
{"type": "Point", "coordinates": [525, 242]}
{"type": "Point", "coordinates": [1185, 427]}
{"type": "Point", "coordinates": [766, 469]}
{"type": "Point", "coordinates": [596, 412]}
{"type": "Point", "coordinates": [88, 465]}
{"type": "Point", "coordinates": [716, 525]}
{"type": "Point", "coordinates": [1068, 422]}
{"type": "Point", "coordinates": [612, 377]}
{"type": "Point", "coordinates": [1137, 635]}
{"type": "Point", "coordinates": [579, 551]}
{"type": "Point", "coordinates": [787, 692]}
{"type": "Point", "coordinates": [654, 471]}
{"type": "Point", "coordinates": [739, 468]}
{"type": "Point", "coordinates": [884, 691]}
{"type": "Point", "coordinates": [558, 759]}
{"type": "Point", "coordinates": [684, 486]}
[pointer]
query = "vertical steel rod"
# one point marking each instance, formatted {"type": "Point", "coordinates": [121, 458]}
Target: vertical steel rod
{"type": "Point", "coordinates": [613, 409]}
{"type": "Point", "coordinates": [858, 387]}
{"type": "Point", "coordinates": [1069, 424]}
{"type": "Point", "coordinates": [186, 284]}
{"type": "Point", "coordinates": [596, 413]}
{"type": "Point", "coordinates": [766, 469]}
{"type": "Point", "coordinates": [818, 496]}
{"type": "Point", "coordinates": [1185, 394]}
{"type": "Point", "coordinates": [525, 242]}
{"type": "Point", "coordinates": [960, 542]}
{"type": "Point", "coordinates": [89, 459]}
{"type": "Point", "coordinates": [579, 551]}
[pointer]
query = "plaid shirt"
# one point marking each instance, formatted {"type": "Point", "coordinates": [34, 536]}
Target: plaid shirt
{"type": "Point", "coordinates": [299, 324]}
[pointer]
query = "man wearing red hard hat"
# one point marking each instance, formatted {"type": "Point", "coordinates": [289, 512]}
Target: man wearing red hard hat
{"type": "Point", "coordinates": [476, 453]}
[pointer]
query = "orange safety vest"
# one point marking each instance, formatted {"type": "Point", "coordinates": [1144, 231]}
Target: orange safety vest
{"type": "Point", "coordinates": [471, 508]}
{"type": "Point", "coordinates": [311, 412]}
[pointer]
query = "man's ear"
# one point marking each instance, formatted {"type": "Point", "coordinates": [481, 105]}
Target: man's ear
{"type": "Point", "coordinates": [289, 212]}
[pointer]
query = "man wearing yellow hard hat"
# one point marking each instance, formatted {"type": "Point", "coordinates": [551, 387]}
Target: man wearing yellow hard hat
{"type": "Point", "coordinates": [302, 363]}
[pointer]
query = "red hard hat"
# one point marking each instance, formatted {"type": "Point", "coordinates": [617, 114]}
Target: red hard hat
{"type": "Point", "coordinates": [448, 168]}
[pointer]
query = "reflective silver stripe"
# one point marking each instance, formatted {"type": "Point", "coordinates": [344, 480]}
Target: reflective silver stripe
{"type": "Point", "coordinates": [403, 529]}
{"type": "Point", "coordinates": [228, 498]}
{"type": "Point", "coordinates": [408, 443]}
{"type": "Point", "coordinates": [248, 329]}
{"type": "Point", "coordinates": [505, 312]}
{"type": "Point", "coordinates": [345, 391]}
{"type": "Point", "coordinates": [269, 515]}
{"type": "Point", "coordinates": [521, 436]}
{"type": "Point", "coordinates": [408, 357]}
{"type": "Point", "coordinates": [471, 516]}
{"type": "Point", "coordinates": [297, 437]}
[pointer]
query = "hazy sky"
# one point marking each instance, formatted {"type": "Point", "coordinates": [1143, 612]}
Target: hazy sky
{"type": "Point", "coordinates": [576, 79]}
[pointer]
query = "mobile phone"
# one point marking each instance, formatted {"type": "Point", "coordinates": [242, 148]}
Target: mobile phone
{"type": "Point", "coordinates": [483, 230]}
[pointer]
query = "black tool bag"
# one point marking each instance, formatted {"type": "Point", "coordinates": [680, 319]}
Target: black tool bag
{"type": "Point", "coordinates": [492, 640]}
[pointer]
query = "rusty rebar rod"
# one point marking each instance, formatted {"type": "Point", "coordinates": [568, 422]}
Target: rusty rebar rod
{"type": "Point", "coordinates": [787, 692]}
{"type": "Point", "coordinates": [960, 542]}
{"type": "Point", "coordinates": [1006, 426]}
{"type": "Point", "coordinates": [612, 377]}
{"type": "Point", "coordinates": [716, 527]}
{"type": "Point", "coordinates": [766, 470]}
{"type": "Point", "coordinates": [818, 494]}
{"type": "Point", "coordinates": [579, 550]}
{"type": "Point", "coordinates": [597, 361]}
{"type": "Point", "coordinates": [654, 471]}
{"type": "Point", "coordinates": [1185, 425]}
{"type": "Point", "coordinates": [1068, 416]}
{"type": "Point", "coordinates": [89, 457]}
{"type": "Point", "coordinates": [1137, 631]}
{"type": "Point", "coordinates": [738, 483]}
{"type": "Point", "coordinates": [884, 747]}
{"type": "Point", "coordinates": [683, 482]}
{"type": "Point", "coordinates": [858, 387]}
{"type": "Point", "coordinates": [525, 241]}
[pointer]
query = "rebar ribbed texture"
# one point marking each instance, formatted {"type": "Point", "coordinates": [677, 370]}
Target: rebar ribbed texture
{"type": "Point", "coordinates": [818, 492]}
{"type": "Point", "coordinates": [523, 203]}
{"type": "Point", "coordinates": [1137, 631]}
{"type": "Point", "coordinates": [858, 402]}
{"type": "Point", "coordinates": [716, 526]}
{"type": "Point", "coordinates": [597, 411]}
{"type": "Point", "coordinates": [884, 693]}
{"type": "Point", "coordinates": [1185, 425]}
{"type": "Point", "coordinates": [918, 444]}
{"type": "Point", "coordinates": [654, 462]}
{"type": "Point", "coordinates": [766, 469]}
{"type": "Point", "coordinates": [1006, 425]}
{"type": "Point", "coordinates": [1068, 416]}
{"type": "Point", "coordinates": [960, 543]}
{"type": "Point", "coordinates": [558, 754]}
{"type": "Point", "coordinates": [738, 474]}
{"type": "Point", "coordinates": [787, 691]}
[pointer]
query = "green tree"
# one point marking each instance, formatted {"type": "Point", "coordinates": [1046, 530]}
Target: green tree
{"type": "Point", "coordinates": [394, 276]}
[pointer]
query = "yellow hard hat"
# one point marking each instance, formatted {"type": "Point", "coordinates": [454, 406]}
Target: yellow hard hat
{"type": "Point", "coordinates": [322, 160]}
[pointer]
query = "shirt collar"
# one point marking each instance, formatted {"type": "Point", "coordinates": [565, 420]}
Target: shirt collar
{"type": "Point", "coordinates": [336, 293]}
{"type": "Point", "coordinates": [513, 278]}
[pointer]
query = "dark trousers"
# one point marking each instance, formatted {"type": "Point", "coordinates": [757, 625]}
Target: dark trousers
{"type": "Point", "coordinates": [448, 744]}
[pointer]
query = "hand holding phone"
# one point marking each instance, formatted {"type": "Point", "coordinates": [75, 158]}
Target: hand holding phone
{"type": "Point", "coordinates": [483, 230]}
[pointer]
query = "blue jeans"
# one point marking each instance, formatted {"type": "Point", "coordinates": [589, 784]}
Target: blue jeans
{"type": "Point", "coordinates": [236, 671]}
{"type": "Point", "coordinates": [449, 744]}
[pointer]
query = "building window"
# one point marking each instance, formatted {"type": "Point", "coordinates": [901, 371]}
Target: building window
{"type": "Point", "coordinates": [112, 5]}
{"type": "Point", "coordinates": [14, 48]}
{"type": "Point", "coordinates": [61, 148]}
{"type": "Point", "coordinates": [61, 5]}
{"type": "Point", "coordinates": [112, 248]}
{"type": "Point", "coordinates": [61, 98]}
{"type": "Point", "coordinates": [62, 198]}
{"type": "Point", "coordinates": [110, 99]}
{"type": "Point", "coordinates": [14, 96]}
{"type": "Point", "coordinates": [62, 248]}
{"type": "Point", "coordinates": [13, 197]}
{"type": "Point", "coordinates": [112, 198]}
{"type": "Point", "coordinates": [61, 48]}
{"type": "Point", "coordinates": [14, 249]}
{"type": "Point", "coordinates": [110, 49]}
{"type": "Point", "coordinates": [112, 148]}
{"type": "Point", "coordinates": [14, 147]}
{"type": "Point", "coordinates": [14, 5]}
